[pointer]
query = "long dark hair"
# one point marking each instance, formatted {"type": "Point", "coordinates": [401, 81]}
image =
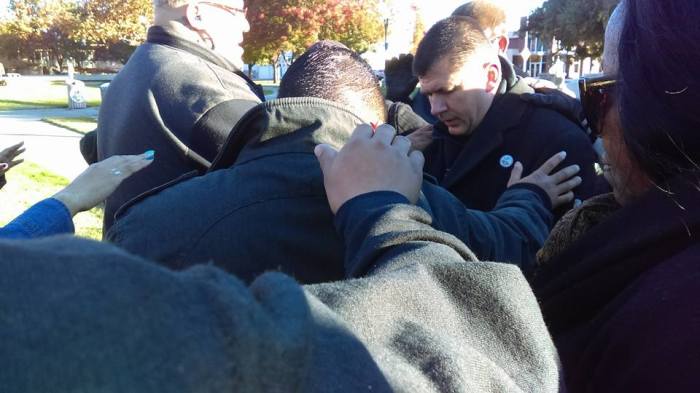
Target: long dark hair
{"type": "Point", "coordinates": [659, 94]}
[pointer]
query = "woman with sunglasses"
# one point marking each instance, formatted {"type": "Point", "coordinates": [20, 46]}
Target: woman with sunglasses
{"type": "Point", "coordinates": [620, 280]}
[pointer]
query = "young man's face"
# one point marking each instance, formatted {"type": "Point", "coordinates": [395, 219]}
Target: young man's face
{"type": "Point", "coordinates": [461, 96]}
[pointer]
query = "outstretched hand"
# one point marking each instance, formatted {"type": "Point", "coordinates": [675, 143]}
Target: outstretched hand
{"type": "Point", "coordinates": [100, 180]}
{"type": "Point", "coordinates": [370, 161]}
{"type": "Point", "coordinates": [558, 186]}
{"type": "Point", "coordinates": [8, 157]}
{"type": "Point", "coordinates": [421, 138]}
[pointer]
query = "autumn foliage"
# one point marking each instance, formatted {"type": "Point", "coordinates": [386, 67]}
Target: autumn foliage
{"type": "Point", "coordinates": [110, 29]}
{"type": "Point", "coordinates": [292, 25]}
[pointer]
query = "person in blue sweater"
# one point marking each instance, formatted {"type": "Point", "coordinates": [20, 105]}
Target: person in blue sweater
{"type": "Point", "coordinates": [54, 216]}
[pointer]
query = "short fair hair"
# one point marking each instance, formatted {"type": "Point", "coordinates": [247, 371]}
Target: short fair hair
{"type": "Point", "coordinates": [169, 3]}
{"type": "Point", "coordinates": [488, 15]}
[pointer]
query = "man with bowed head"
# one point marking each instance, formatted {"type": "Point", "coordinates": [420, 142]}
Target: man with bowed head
{"type": "Point", "coordinates": [485, 127]}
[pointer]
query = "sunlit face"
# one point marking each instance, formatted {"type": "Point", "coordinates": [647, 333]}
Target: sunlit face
{"type": "Point", "coordinates": [460, 97]}
{"type": "Point", "coordinates": [225, 24]}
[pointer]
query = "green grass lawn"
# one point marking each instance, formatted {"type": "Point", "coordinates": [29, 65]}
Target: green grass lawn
{"type": "Point", "coordinates": [31, 93]}
{"type": "Point", "coordinates": [28, 184]}
{"type": "Point", "coordinates": [83, 124]}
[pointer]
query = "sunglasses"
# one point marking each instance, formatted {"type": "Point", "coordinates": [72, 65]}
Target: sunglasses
{"type": "Point", "coordinates": [232, 10]}
{"type": "Point", "coordinates": [596, 97]}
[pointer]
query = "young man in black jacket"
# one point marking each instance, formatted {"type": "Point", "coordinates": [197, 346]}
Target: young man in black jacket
{"type": "Point", "coordinates": [179, 94]}
{"type": "Point", "coordinates": [485, 127]}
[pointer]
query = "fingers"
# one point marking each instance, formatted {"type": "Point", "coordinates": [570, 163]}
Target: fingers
{"type": "Point", "coordinates": [135, 164]}
{"type": "Point", "coordinates": [124, 166]}
{"type": "Point", "coordinates": [14, 163]}
{"type": "Point", "coordinates": [417, 160]}
{"type": "Point", "coordinates": [384, 134]}
{"type": "Point", "coordinates": [16, 153]}
{"type": "Point", "coordinates": [568, 185]}
{"type": "Point", "coordinates": [516, 174]}
{"type": "Point", "coordinates": [363, 131]}
{"type": "Point", "coordinates": [325, 155]}
{"type": "Point", "coordinates": [402, 143]}
{"type": "Point", "coordinates": [566, 173]}
{"type": "Point", "coordinates": [552, 163]}
{"type": "Point", "coordinates": [13, 148]}
{"type": "Point", "coordinates": [563, 199]}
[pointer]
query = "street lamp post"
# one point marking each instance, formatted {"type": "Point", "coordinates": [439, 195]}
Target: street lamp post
{"type": "Point", "coordinates": [386, 30]}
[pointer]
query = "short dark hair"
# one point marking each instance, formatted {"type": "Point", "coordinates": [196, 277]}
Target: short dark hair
{"type": "Point", "coordinates": [658, 93]}
{"type": "Point", "coordinates": [331, 71]}
{"type": "Point", "coordinates": [454, 38]}
{"type": "Point", "coordinates": [487, 14]}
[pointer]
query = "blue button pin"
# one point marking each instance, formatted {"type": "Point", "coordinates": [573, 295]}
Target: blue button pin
{"type": "Point", "coordinates": [507, 161]}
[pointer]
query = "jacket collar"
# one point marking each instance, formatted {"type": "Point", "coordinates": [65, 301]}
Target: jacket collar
{"type": "Point", "coordinates": [286, 125]}
{"type": "Point", "coordinates": [505, 113]}
{"type": "Point", "coordinates": [576, 286]}
{"type": "Point", "coordinates": [161, 35]}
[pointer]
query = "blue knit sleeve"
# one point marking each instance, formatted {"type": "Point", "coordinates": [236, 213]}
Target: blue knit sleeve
{"type": "Point", "coordinates": [46, 218]}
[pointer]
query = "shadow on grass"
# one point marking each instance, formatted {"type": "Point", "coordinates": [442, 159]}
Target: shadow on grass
{"type": "Point", "coordinates": [11, 105]}
{"type": "Point", "coordinates": [95, 83]}
{"type": "Point", "coordinates": [81, 125]}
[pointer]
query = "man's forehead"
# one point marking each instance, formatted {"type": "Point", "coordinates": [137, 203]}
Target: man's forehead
{"type": "Point", "coordinates": [450, 70]}
{"type": "Point", "coordinates": [438, 75]}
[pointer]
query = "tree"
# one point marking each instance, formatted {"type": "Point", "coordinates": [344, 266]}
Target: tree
{"type": "Point", "coordinates": [109, 21]}
{"type": "Point", "coordinates": [356, 24]}
{"type": "Point", "coordinates": [113, 28]}
{"type": "Point", "coordinates": [59, 29]}
{"type": "Point", "coordinates": [40, 26]}
{"type": "Point", "coordinates": [578, 25]}
{"type": "Point", "coordinates": [418, 32]}
{"type": "Point", "coordinates": [293, 25]}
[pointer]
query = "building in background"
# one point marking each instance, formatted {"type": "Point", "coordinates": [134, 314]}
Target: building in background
{"type": "Point", "coordinates": [534, 57]}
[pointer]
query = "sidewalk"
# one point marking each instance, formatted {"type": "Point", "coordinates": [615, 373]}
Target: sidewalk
{"type": "Point", "coordinates": [54, 148]}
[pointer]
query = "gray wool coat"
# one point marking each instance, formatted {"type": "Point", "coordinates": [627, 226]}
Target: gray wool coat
{"type": "Point", "coordinates": [421, 315]}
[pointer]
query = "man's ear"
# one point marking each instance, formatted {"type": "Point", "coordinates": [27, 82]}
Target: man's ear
{"type": "Point", "coordinates": [493, 74]}
{"type": "Point", "coordinates": [503, 44]}
{"type": "Point", "coordinates": [193, 13]}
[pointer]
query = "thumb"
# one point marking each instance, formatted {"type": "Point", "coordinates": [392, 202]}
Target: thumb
{"type": "Point", "coordinates": [516, 174]}
{"type": "Point", "coordinates": [325, 155]}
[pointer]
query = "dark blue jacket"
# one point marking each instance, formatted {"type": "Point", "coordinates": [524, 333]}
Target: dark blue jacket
{"type": "Point", "coordinates": [269, 210]}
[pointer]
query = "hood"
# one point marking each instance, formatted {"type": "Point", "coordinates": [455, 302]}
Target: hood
{"type": "Point", "coordinates": [287, 125]}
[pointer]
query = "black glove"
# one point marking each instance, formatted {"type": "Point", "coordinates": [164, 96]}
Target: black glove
{"type": "Point", "coordinates": [399, 79]}
{"type": "Point", "coordinates": [88, 147]}
{"type": "Point", "coordinates": [560, 102]}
